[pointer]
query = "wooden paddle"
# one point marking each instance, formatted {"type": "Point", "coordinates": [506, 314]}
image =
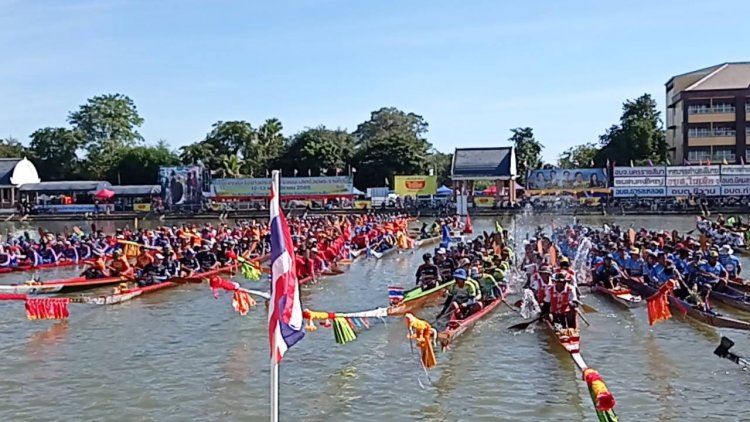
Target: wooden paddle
{"type": "Point", "coordinates": [580, 314]}
{"type": "Point", "coordinates": [524, 325]}
{"type": "Point", "coordinates": [588, 308]}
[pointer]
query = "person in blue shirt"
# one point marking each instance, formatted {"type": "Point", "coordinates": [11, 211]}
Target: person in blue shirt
{"type": "Point", "coordinates": [621, 257]}
{"type": "Point", "coordinates": [681, 258]}
{"type": "Point", "coordinates": [652, 268]}
{"type": "Point", "coordinates": [634, 265]}
{"type": "Point", "coordinates": [607, 272]}
{"type": "Point", "coordinates": [712, 272]}
{"type": "Point", "coordinates": [729, 261]}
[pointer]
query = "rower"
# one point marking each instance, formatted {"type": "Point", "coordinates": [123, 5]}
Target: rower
{"type": "Point", "coordinates": [119, 265]}
{"type": "Point", "coordinates": [144, 258]}
{"type": "Point", "coordinates": [565, 267]}
{"type": "Point", "coordinates": [560, 302]}
{"type": "Point", "coordinates": [188, 264]}
{"type": "Point", "coordinates": [713, 273]}
{"type": "Point", "coordinates": [462, 295]}
{"type": "Point", "coordinates": [154, 273]}
{"type": "Point", "coordinates": [428, 274]}
{"type": "Point", "coordinates": [607, 273]}
{"type": "Point", "coordinates": [540, 282]}
{"type": "Point", "coordinates": [97, 268]}
{"type": "Point", "coordinates": [729, 261]}
{"type": "Point", "coordinates": [634, 266]}
{"type": "Point", "coordinates": [207, 258]}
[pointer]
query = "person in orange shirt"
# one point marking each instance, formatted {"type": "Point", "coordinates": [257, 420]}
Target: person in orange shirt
{"type": "Point", "coordinates": [143, 259]}
{"type": "Point", "coordinates": [97, 268]}
{"type": "Point", "coordinates": [120, 265]}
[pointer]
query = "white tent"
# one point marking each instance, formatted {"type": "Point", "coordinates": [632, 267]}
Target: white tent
{"type": "Point", "coordinates": [444, 190]}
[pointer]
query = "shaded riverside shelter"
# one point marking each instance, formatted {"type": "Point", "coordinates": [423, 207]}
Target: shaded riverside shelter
{"type": "Point", "coordinates": [133, 197]}
{"type": "Point", "coordinates": [495, 165]}
{"type": "Point", "coordinates": [13, 173]}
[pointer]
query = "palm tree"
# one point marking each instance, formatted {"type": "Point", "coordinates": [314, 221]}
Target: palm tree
{"type": "Point", "coordinates": [196, 153]}
{"type": "Point", "coordinates": [231, 167]}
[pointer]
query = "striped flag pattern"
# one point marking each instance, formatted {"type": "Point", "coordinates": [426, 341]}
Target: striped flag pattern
{"type": "Point", "coordinates": [284, 309]}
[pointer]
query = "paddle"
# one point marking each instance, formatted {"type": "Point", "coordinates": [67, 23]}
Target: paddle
{"type": "Point", "coordinates": [583, 318]}
{"type": "Point", "coordinates": [588, 308]}
{"type": "Point", "coordinates": [524, 325]}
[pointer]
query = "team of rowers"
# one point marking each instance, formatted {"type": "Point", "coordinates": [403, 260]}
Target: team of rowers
{"type": "Point", "coordinates": [154, 255]}
{"type": "Point", "coordinates": [477, 270]}
{"type": "Point", "coordinates": [656, 257]}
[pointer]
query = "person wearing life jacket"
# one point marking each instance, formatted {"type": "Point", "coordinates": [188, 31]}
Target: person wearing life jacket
{"type": "Point", "coordinates": [564, 267]}
{"type": "Point", "coordinates": [120, 265]}
{"type": "Point", "coordinates": [97, 268]}
{"type": "Point", "coordinates": [539, 282]}
{"type": "Point", "coordinates": [730, 262]}
{"type": "Point", "coordinates": [560, 302]}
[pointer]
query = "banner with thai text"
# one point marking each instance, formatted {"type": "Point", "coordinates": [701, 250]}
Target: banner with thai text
{"type": "Point", "coordinates": [643, 192]}
{"type": "Point", "coordinates": [415, 185]}
{"type": "Point", "coordinates": [686, 171]}
{"type": "Point", "coordinates": [332, 186]}
{"type": "Point", "coordinates": [639, 172]}
{"type": "Point", "coordinates": [694, 190]}
{"type": "Point", "coordinates": [639, 181]}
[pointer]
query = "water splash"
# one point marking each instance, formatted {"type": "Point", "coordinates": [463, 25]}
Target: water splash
{"type": "Point", "coordinates": [581, 266]}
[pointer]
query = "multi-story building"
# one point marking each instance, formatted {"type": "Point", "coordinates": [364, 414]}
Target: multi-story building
{"type": "Point", "coordinates": [708, 114]}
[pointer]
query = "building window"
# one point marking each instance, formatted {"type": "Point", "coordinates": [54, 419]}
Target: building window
{"type": "Point", "coordinates": [716, 108]}
{"type": "Point", "coordinates": [717, 155]}
{"type": "Point", "coordinates": [704, 132]}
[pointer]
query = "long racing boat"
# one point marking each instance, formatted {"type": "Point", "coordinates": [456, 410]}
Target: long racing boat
{"type": "Point", "coordinates": [712, 319]}
{"type": "Point", "coordinates": [60, 286]}
{"type": "Point", "coordinates": [456, 327]}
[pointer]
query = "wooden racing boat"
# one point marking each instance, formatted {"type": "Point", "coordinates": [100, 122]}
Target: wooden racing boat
{"type": "Point", "coordinates": [417, 298]}
{"type": "Point", "coordinates": [63, 285]}
{"type": "Point", "coordinates": [619, 295]}
{"type": "Point", "coordinates": [124, 295]}
{"type": "Point", "coordinates": [732, 297]}
{"type": "Point", "coordinates": [570, 340]}
{"type": "Point", "coordinates": [456, 327]}
{"type": "Point", "coordinates": [715, 320]}
{"type": "Point", "coordinates": [740, 284]}
{"type": "Point", "coordinates": [28, 266]}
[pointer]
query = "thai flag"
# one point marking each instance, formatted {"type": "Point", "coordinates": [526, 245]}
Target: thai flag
{"type": "Point", "coordinates": [395, 294]}
{"type": "Point", "coordinates": [284, 309]}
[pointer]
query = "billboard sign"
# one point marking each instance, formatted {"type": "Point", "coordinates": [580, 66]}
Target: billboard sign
{"type": "Point", "coordinates": [638, 191]}
{"type": "Point", "coordinates": [415, 185]}
{"type": "Point", "coordinates": [639, 172]}
{"type": "Point", "coordinates": [306, 187]}
{"type": "Point", "coordinates": [577, 180]}
{"type": "Point", "coordinates": [181, 185]}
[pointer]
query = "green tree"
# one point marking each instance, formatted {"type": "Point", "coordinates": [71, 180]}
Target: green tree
{"type": "Point", "coordinates": [227, 139]}
{"type": "Point", "coordinates": [140, 165]}
{"type": "Point", "coordinates": [390, 142]}
{"type": "Point", "coordinates": [107, 124]}
{"type": "Point", "coordinates": [197, 153]}
{"type": "Point", "coordinates": [528, 151]}
{"type": "Point", "coordinates": [231, 167]}
{"type": "Point", "coordinates": [388, 121]}
{"type": "Point", "coordinates": [10, 147]}
{"type": "Point", "coordinates": [639, 136]}
{"type": "Point", "coordinates": [441, 163]}
{"type": "Point", "coordinates": [314, 150]}
{"type": "Point", "coordinates": [55, 153]}
{"type": "Point", "coordinates": [578, 156]}
{"type": "Point", "coordinates": [265, 149]}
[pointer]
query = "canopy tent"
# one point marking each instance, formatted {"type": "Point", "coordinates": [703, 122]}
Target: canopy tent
{"type": "Point", "coordinates": [356, 191]}
{"type": "Point", "coordinates": [444, 190]}
{"type": "Point", "coordinates": [104, 194]}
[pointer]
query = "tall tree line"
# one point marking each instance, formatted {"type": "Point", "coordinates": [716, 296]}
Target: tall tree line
{"type": "Point", "coordinates": [102, 142]}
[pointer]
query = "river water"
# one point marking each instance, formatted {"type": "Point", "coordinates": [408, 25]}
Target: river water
{"type": "Point", "coordinates": [181, 355]}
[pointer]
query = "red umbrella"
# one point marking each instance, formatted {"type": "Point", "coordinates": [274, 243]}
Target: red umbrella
{"type": "Point", "coordinates": [104, 194]}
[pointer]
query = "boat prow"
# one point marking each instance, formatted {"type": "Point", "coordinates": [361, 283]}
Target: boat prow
{"type": "Point", "coordinates": [620, 295]}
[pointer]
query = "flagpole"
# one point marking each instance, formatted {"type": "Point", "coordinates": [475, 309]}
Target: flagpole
{"type": "Point", "coordinates": [274, 363]}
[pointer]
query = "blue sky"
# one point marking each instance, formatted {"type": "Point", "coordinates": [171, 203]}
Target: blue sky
{"type": "Point", "coordinates": [473, 69]}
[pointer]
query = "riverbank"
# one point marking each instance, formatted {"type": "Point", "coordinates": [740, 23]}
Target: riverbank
{"type": "Point", "coordinates": [425, 212]}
